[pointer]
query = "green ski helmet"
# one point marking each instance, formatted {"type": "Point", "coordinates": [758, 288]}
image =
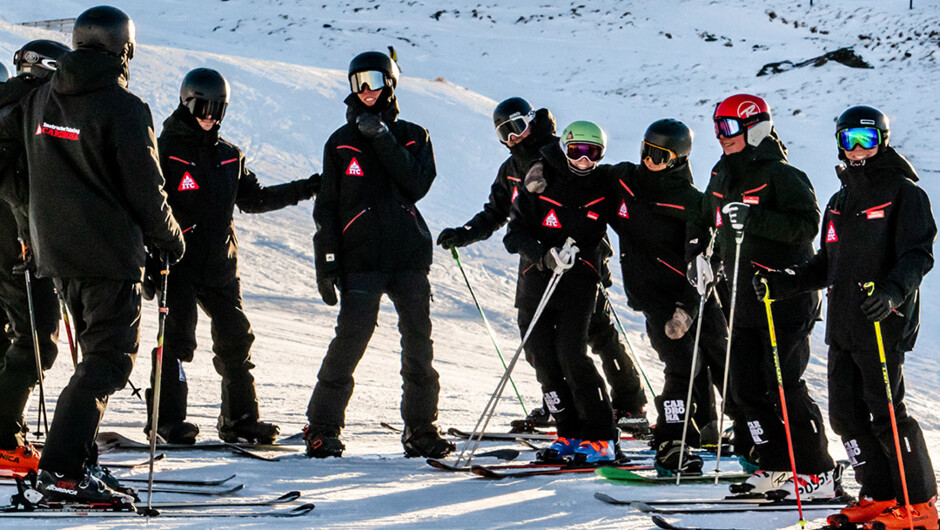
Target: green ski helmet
{"type": "Point", "coordinates": [583, 139]}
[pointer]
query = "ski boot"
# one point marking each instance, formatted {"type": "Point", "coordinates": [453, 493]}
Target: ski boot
{"type": "Point", "coordinates": [761, 482]}
{"type": "Point", "coordinates": [667, 459]}
{"type": "Point", "coordinates": [247, 430]}
{"type": "Point", "coordinates": [537, 417]}
{"type": "Point", "coordinates": [924, 515]}
{"type": "Point", "coordinates": [825, 485]}
{"type": "Point", "coordinates": [425, 441]}
{"type": "Point", "coordinates": [594, 452]}
{"type": "Point", "coordinates": [859, 512]}
{"type": "Point", "coordinates": [750, 462]}
{"type": "Point", "coordinates": [86, 489]}
{"type": "Point", "coordinates": [557, 451]}
{"type": "Point", "coordinates": [709, 439]}
{"type": "Point", "coordinates": [634, 423]}
{"type": "Point", "coordinates": [323, 441]}
{"type": "Point", "coordinates": [103, 474]}
{"type": "Point", "coordinates": [182, 433]}
{"type": "Point", "coordinates": [20, 460]}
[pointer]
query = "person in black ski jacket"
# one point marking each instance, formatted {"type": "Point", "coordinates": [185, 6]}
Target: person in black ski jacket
{"type": "Point", "coordinates": [754, 186]}
{"type": "Point", "coordinates": [35, 64]}
{"type": "Point", "coordinates": [95, 197]}
{"type": "Point", "coordinates": [570, 206]}
{"type": "Point", "coordinates": [649, 208]}
{"type": "Point", "coordinates": [525, 131]}
{"type": "Point", "coordinates": [206, 178]}
{"type": "Point", "coordinates": [372, 240]}
{"type": "Point", "coordinates": [877, 228]}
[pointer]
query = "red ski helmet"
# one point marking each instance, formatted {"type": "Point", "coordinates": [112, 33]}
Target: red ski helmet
{"type": "Point", "coordinates": [743, 113]}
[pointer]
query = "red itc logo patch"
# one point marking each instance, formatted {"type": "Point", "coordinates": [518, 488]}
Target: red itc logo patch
{"type": "Point", "coordinates": [551, 220]}
{"type": "Point", "coordinates": [515, 193]}
{"type": "Point", "coordinates": [831, 236]}
{"type": "Point", "coordinates": [354, 169]}
{"type": "Point", "coordinates": [717, 217]}
{"type": "Point", "coordinates": [623, 210]}
{"type": "Point", "coordinates": [188, 183]}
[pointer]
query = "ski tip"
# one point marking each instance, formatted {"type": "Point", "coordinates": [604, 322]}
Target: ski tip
{"type": "Point", "coordinates": [642, 506]}
{"type": "Point", "coordinates": [289, 496]}
{"type": "Point", "coordinates": [148, 512]}
{"type": "Point", "coordinates": [603, 497]}
{"type": "Point", "coordinates": [303, 509]}
{"type": "Point", "coordinates": [662, 523]}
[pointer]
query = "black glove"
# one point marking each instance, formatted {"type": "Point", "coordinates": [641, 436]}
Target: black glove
{"type": "Point", "coordinates": [882, 302]}
{"type": "Point", "coordinates": [371, 125]}
{"type": "Point", "coordinates": [781, 283]}
{"type": "Point", "coordinates": [738, 213]}
{"type": "Point", "coordinates": [760, 288]}
{"type": "Point", "coordinates": [152, 278]}
{"type": "Point", "coordinates": [27, 264]}
{"type": "Point", "coordinates": [328, 287]}
{"type": "Point", "coordinates": [312, 186]}
{"type": "Point", "coordinates": [453, 237]}
{"type": "Point", "coordinates": [172, 251]}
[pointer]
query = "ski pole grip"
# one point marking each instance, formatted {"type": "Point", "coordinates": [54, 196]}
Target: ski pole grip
{"type": "Point", "coordinates": [453, 253]}
{"type": "Point", "coordinates": [869, 288]}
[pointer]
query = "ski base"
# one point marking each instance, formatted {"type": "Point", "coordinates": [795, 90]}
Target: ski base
{"type": "Point", "coordinates": [630, 476]}
{"type": "Point", "coordinates": [550, 469]}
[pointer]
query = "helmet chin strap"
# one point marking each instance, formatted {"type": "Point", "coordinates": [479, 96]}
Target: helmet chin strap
{"type": "Point", "coordinates": [578, 171]}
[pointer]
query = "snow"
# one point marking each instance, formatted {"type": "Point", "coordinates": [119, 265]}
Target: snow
{"type": "Point", "coordinates": [622, 64]}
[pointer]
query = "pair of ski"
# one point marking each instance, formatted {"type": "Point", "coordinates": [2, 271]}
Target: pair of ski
{"type": "Point", "coordinates": [269, 508]}
{"type": "Point", "coordinates": [111, 441]}
{"type": "Point", "coordinates": [723, 505]}
{"type": "Point", "coordinates": [532, 469]}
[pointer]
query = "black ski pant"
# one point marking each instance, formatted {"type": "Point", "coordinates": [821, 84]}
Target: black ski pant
{"type": "Point", "coordinates": [17, 358]}
{"type": "Point", "coordinates": [410, 292]}
{"type": "Point", "coordinates": [858, 412]}
{"type": "Point", "coordinates": [106, 316]}
{"type": "Point", "coordinates": [572, 389]}
{"type": "Point", "coordinates": [626, 391]}
{"type": "Point", "coordinates": [676, 355]}
{"type": "Point", "coordinates": [755, 390]}
{"type": "Point", "coordinates": [232, 338]}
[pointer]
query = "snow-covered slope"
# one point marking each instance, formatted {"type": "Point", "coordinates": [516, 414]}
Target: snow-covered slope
{"type": "Point", "coordinates": [622, 64]}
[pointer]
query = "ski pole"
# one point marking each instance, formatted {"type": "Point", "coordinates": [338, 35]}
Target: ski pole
{"type": "Point", "coordinates": [566, 257]}
{"type": "Point", "coordinates": [486, 324]}
{"type": "Point", "coordinates": [630, 351]}
{"type": "Point", "coordinates": [870, 290]}
{"type": "Point", "coordinates": [155, 410]}
{"type": "Point", "coordinates": [738, 239]}
{"type": "Point", "coordinates": [703, 298]}
{"type": "Point", "coordinates": [783, 399]}
{"type": "Point", "coordinates": [68, 328]}
{"type": "Point", "coordinates": [41, 410]}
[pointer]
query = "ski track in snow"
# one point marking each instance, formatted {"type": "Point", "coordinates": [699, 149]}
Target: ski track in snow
{"type": "Point", "coordinates": [623, 64]}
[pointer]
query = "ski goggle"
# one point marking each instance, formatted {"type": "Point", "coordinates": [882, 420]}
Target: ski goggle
{"type": "Point", "coordinates": [657, 155]}
{"type": "Point", "coordinates": [577, 151]}
{"type": "Point", "coordinates": [513, 127]}
{"type": "Point", "coordinates": [368, 80]}
{"type": "Point", "coordinates": [205, 109]}
{"type": "Point", "coordinates": [728, 127]}
{"type": "Point", "coordinates": [864, 137]}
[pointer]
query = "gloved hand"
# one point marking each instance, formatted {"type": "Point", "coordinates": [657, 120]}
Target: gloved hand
{"type": "Point", "coordinates": [173, 251]}
{"type": "Point", "coordinates": [560, 259]}
{"type": "Point", "coordinates": [738, 212]}
{"type": "Point", "coordinates": [882, 302]}
{"type": "Point", "coordinates": [26, 264]}
{"type": "Point", "coordinates": [371, 125]}
{"type": "Point", "coordinates": [700, 274]}
{"type": "Point", "coordinates": [780, 283]}
{"type": "Point", "coordinates": [312, 186]}
{"type": "Point", "coordinates": [328, 287]}
{"type": "Point", "coordinates": [453, 237]}
{"type": "Point", "coordinates": [760, 287]}
{"type": "Point", "coordinates": [152, 279]}
{"type": "Point", "coordinates": [535, 178]}
{"type": "Point", "coordinates": [679, 324]}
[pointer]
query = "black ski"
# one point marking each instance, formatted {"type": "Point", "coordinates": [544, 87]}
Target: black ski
{"type": "Point", "coordinates": [213, 492]}
{"type": "Point", "coordinates": [190, 511]}
{"type": "Point", "coordinates": [487, 472]}
{"type": "Point", "coordinates": [446, 466]}
{"type": "Point", "coordinates": [662, 523]}
{"type": "Point", "coordinates": [729, 500]}
{"type": "Point", "coordinates": [288, 497]}
{"type": "Point", "coordinates": [115, 441]}
{"type": "Point", "coordinates": [133, 465]}
{"type": "Point", "coordinates": [532, 436]}
{"type": "Point", "coordinates": [758, 507]}
{"type": "Point", "coordinates": [181, 482]}
{"type": "Point", "coordinates": [500, 454]}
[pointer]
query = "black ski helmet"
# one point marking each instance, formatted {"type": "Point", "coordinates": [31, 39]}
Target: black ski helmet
{"type": "Point", "coordinates": [672, 135]}
{"type": "Point", "coordinates": [107, 29]}
{"type": "Point", "coordinates": [375, 61]}
{"type": "Point", "coordinates": [4, 73]}
{"type": "Point", "coordinates": [509, 109]}
{"type": "Point", "coordinates": [37, 58]}
{"type": "Point", "coordinates": [865, 116]}
{"type": "Point", "coordinates": [205, 93]}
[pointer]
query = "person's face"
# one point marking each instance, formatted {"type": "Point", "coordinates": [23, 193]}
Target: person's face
{"type": "Point", "coordinates": [515, 139]}
{"type": "Point", "coordinates": [648, 162]}
{"type": "Point", "coordinates": [861, 154]}
{"type": "Point", "coordinates": [732, 145]}
{"type": "Point", "coordinates": [583, 163]}
{"type": "Point", "coordinates": [369, 97]}
{"type": "Point", "coordinates": [206, 124]}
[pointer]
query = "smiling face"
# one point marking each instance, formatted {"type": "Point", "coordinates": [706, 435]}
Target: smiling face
{"type": "Point", "coordinates": [861, 154]}
{"type": "Point", "coordinates": [206, 124]}
{"type": "Point", "coordinates": [369, 97]}
{"type": "Point", "coordinates": [732, 145]}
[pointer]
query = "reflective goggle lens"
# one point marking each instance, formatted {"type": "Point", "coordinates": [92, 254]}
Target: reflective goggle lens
{"type": "Point", "coordinates": [728, 127]}
{"type": "Point", "coordinates": [657, 155]}
{"type": "Point", "coordinates": [515, 126]}
{"type": "Point", "coordinates": [575, 152]}
{"type": "Point", "coordinates": [866, 137]}
{"type": "Point", "coordinates": [372, 79]}
{"type": "Point", "coordinates": [205, 109]}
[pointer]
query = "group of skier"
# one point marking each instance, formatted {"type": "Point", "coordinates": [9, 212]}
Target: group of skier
{"type": "Point", "coordinates": [702, 267]}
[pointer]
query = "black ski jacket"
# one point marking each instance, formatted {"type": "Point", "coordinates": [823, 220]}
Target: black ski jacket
{"type": "Point", "coordinates": [365, 212]}
{"type": "Point", "coordinates": [783, 219]}
{"type": "Point", "coordinates": [206, 178]}
{"type": "Point", "coordinates": [571, 206]}
{"type": "Point", "coordinates": [649, 211]}
{"type": "Point", "coordinates": [878, 227]}
{"type": "Point", "coordinates": [14, 181]}
{"type": "Point", "coordinates": [510, 177]}
{"type": "Point", "coordinates": [96, 190]}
